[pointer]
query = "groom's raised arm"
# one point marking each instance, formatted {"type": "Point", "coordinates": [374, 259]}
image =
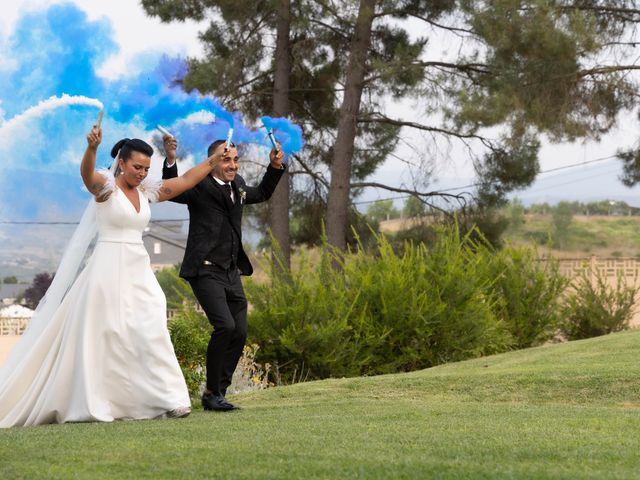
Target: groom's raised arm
{"type": "Point", "coordinates": [263, 191]}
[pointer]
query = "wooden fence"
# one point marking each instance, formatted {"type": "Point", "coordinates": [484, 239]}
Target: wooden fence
{"type": "Point", "coordinates": [609, 268]}
{"type": "Point", "coordinates": [13, 326]}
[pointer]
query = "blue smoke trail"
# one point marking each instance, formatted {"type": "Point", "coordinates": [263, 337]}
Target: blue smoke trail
{"type": "Point", "coordinates": [288, 134]}
{"type": "Point", "coordinates": [58, 51]}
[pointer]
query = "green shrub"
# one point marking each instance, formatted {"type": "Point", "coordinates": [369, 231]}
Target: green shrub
{"type": "Point", "coordinates": [429, 306]}
{"type": "Point", "coordinates": [381, 312]}
{"type": "Point", "coordinates": [176, 289]}
{"type": "Point", "coordinates": [529, 292]}
{"type": "Point", "coordinates": [303, 322]}
{"type": "Point", "coordinates": [596, 308]}
{"type": "Point", "coordinates": [190, 333]}
{"type": "Point", "coordinates": [562, 217]}
{"type": "Point", "coordinates": [538, 237]}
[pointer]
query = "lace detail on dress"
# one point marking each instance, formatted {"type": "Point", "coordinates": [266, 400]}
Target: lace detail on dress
{"type": "Point", "coordinates": [110, 183]}
{"type": "Point", "coordinates": [150, 187]}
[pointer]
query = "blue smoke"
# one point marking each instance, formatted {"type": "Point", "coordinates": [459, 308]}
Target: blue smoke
{"type": "Point", "coordinates": [288, 134]}
{"type": "Point", "coordinates": [57, 51]}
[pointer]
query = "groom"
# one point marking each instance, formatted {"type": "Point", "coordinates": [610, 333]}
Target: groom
{"type": "Point", "coordinates": [214, 258]}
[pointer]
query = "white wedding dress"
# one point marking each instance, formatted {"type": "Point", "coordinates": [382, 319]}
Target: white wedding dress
{"type": "Point", "coordinates": [105, 353]}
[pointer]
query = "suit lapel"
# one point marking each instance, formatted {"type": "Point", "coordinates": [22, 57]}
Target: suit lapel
{"type": "Point", "coordinates": [236, 195]}
{"type": "Point", "coordinates": [220, 192]}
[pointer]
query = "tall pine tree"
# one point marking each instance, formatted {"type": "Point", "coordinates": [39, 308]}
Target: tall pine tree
{"type": "Point", "coordinates": [525, 68]}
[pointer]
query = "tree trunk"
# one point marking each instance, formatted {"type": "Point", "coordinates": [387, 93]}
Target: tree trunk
{"type": "Point", "coordinates": [280, 198]}
{"type": "Point", "coordinates": [338, 202]}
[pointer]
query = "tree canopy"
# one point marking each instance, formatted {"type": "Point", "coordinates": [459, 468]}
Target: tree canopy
{"type": "Point", "coordinates": [521, 71]}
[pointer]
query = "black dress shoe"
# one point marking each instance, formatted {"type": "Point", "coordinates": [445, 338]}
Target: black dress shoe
{"type": "Point", "coordinates": [212, 401]}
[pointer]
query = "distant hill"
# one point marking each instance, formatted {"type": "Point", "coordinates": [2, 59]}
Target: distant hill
{"type": "Point", "coordinates": [26, 250]}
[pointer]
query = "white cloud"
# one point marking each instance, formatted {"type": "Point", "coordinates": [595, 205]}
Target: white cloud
{"type": "Point", "coordinates": [199, 117]}
{"type": "Point", "coordinates": [135, 33]}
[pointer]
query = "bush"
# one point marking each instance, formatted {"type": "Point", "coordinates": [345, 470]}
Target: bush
{"type": "Point", "coordinates": [426, 307]}
{"type": "Point", "coordinates": [303, 321]}
{"type": "Point", "coordinates": [419, 232]}
{"type": "Point", "coordinates": [595, 308]}
{"type": "Point", "coordinates": [529, 292]}
{"type": "Point", "coordinates": [381, 312]}
{"type": "Point", "coordinates": [190, 333]}
{"type": "Point", "coordinates": [176, 289]}
{"type": "Point", "coordinates": [562, 218]}
{"type": "Point", "coordinates": [34, 293]}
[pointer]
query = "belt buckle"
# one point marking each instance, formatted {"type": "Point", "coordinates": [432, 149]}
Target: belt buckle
{"type": "Point", "coordinates": [207, 262]}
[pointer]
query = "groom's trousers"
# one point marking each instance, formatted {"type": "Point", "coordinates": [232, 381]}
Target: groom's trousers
{"type": "Point", "coordinates": [220, 294]}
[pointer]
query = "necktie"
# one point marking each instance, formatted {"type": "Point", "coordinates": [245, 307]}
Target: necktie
{"type": "Point", "coordinates": [227, 187]}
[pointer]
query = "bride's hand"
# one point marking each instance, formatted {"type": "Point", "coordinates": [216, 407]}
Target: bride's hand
{"type": "Point", "coordinates": [218, 156]}
{"type": "Point", "coordinates": [94, 137]}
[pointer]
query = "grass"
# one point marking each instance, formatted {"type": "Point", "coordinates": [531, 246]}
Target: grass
{"type": "Point", "coordinates": [560, 411]}
{"type": "Point", "coordinates": [599, 235]}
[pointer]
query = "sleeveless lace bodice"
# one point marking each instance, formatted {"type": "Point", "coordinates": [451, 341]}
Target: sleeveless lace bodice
{"type": "Point", "coordinates": [118, 220]}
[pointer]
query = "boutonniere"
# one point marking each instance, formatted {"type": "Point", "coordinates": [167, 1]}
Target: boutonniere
{"type": "Point", "coordinates": [243, 195]}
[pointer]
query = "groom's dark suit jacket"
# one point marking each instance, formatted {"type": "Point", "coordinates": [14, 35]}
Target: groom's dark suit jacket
{"type": "Point", "coordinates": [210, 206]}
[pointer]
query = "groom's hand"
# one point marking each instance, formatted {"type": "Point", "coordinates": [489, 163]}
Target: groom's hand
{"type": "Point", "coordinates": [170, 147]}
{"type": "Point", "coordinates": [277, 157]}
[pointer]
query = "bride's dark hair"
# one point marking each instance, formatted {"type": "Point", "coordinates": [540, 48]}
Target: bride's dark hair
{"type": "Point", "coordinates": [128, 145]}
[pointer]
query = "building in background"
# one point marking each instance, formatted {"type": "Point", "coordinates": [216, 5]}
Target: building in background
{"type": "Point", "coordinates": [10, 292]}
{"type": "Point", "coordinates": [165, 242]}
{"type": "Point", "coordinates": [14, 319]}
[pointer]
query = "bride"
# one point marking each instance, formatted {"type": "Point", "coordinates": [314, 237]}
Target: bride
{"type": "Point", "coordinates": [98, 348]}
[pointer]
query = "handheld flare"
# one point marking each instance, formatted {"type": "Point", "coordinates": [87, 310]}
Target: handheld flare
{"type": "Point", "coordinates": [229, 135]}
{"type": "Point", "coordinates": [99, 121]}
{"type": "Point", "coordinates": [271, 137]}
{"type": "Point", "coordinates": [164, 131]}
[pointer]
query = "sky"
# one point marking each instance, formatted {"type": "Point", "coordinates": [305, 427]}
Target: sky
{"type": "Point", "coordinates": [111, 52]}
{"type": "Point", "coordinates": [62, 62]}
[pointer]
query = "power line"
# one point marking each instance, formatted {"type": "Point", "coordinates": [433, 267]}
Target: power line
{"type": "Point", "coordinates": [573, 165]}
{"type": "Point", "coordinates": [11, 222]}
{"type": "Point", "coordinates": [578, 180]}
{"type": "Point", "coordinates": [362, 202]}
{"type": "Point", "coordinates": [471, 185]}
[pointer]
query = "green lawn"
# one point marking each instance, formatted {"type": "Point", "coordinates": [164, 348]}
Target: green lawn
{"type": "Point", "coordinates": [598, 235]}
{"type": "Point", "coordinates": [562, 411]}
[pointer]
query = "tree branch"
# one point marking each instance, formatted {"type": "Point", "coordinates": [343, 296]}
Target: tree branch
{"type": "Point", "coordinates": [444, 27]}
{"type": "Point", "coordinates": [465, 67]}
{"type": "Point", "coordinates": [315, 175]}
{"type": "Point", "coordinates": [422, 196]}
{"type": "Point", "coordinates": [254, 79]}
{"type": "Point", "coordinates": [331, 28]}
{"type": "Point", "coordinates": [616, 10]}
{"type": "Point", "coordinates": [380, 118]}
{"type": "Point", "coordinates": [403, 190]}
{"type": "Point", "coordinates": [607, 69]}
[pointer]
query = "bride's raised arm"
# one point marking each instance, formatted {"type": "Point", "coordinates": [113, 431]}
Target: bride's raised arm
{"type": "Point", "coordinates": [94, 181]}
{"type": "Point", "coordinates": [175, 186]}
